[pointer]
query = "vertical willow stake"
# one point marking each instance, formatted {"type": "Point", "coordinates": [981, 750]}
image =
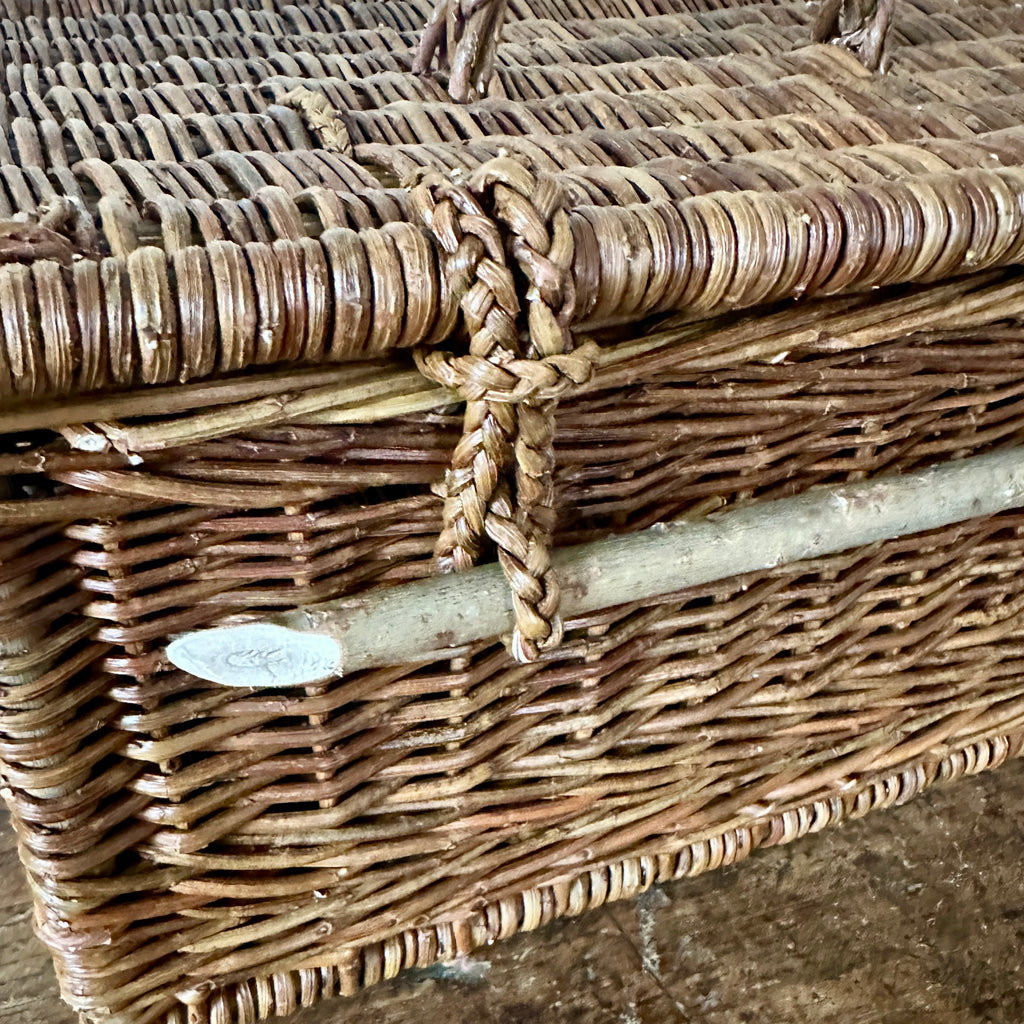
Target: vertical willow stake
{"type": "Point", "coordinates": [419, 622]}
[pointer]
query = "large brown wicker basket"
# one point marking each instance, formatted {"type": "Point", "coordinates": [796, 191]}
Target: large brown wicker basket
{"type": "Point", "coordinates": [699, 336]}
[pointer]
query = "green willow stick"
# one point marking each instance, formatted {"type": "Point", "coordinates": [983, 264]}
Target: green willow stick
{"type": "Point", "coordinates": [426, 620]}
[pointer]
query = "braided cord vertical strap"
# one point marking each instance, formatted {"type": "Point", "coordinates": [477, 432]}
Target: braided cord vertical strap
{"type": "Point", "coordinates": [504, 210]}
{"type": "Point", "coordinates": [462, 36]}
{"type": "Point", "coordinates": [476, 270]}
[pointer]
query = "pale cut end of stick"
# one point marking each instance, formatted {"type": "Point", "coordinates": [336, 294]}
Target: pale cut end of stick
{"type": "Point", "coordinates": [258, 655]}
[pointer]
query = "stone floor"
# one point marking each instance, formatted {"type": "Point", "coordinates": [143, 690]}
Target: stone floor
{"type": "Point", "coordinates": [914, 916]}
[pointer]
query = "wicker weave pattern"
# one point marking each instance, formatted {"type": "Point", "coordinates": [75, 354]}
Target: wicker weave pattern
{"type": "Point", "coordinates": [235, 336]}
{"type": "Point", "coordinates": [284, 993]}
{"type": "Point", "coordinates": [656, 729]}
{"type": "Point", "coordinates": [664, 131]}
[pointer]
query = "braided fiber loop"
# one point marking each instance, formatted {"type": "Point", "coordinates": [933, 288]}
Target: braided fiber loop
{"type": "Point", "coordinates": [463, 37]}
{"type": "Point", "coordinates": [508, 379]}
{"type": "Point", "coordinates": [862, 26]}
{"type": "Point", "coordinates": [504, 210]}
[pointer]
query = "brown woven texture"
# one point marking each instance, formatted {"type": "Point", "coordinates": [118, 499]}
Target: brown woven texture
{"type": "Point", "coordinates": [281, 321]}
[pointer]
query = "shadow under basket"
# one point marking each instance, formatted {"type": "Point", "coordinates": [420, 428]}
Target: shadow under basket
{"type": "Point", "coordinates": [423, 519]}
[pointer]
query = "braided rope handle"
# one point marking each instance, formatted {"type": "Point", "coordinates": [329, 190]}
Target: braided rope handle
{"type": "Point", "coordinates": [503, 210]}
{"type": "Point", "coordinates": [476, 270]}
{"type": "Point", "coordinates": [861, 26]}
{"type": "Point", "coordinates": [462, 37]}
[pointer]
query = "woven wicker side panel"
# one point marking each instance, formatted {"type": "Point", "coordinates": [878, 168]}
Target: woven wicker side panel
{"type": "Point", "coordinates": [262, 834]}
{"type": "Point", "coordinates": [57, 717]}
{"type": "Point", "coordinates": [302, 512]}
{"type": "Point", "coordinates": [285, 992]}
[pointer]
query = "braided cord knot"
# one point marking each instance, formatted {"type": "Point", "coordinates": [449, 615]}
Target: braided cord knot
{"type": "Point", "coordinates": [320, 118]}
{"type": "Point", "coordinates": [500, 482]}
{"type": "Point", "coordinates": [508, 379]}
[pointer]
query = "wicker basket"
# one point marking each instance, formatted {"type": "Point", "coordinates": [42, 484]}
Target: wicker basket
{"type": "Point", "coordinates": [550, 495]}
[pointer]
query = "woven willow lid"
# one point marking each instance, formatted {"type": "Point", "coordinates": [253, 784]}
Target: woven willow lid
{"type": "Point", "coordinates": [190, 192]}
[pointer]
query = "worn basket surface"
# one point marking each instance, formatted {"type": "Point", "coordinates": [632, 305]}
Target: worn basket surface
{"type": "Point", "coordinates": [261, 286]}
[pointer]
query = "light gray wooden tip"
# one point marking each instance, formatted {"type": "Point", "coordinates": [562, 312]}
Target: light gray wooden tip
{"type": "Point", "coordinates": [257, 654]}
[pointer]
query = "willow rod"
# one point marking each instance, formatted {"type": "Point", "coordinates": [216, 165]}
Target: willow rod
{"type": "Point", "coordinates": [426, 620]}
